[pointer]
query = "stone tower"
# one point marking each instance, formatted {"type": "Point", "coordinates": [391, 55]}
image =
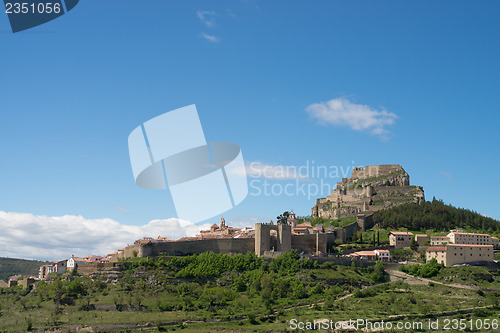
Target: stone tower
{"type": "Point", "coordinates": [222, 223]}
{"type": "Point", "coordinates": [263, 237]}
{"type": "Point", "coordinates": [292, 220]}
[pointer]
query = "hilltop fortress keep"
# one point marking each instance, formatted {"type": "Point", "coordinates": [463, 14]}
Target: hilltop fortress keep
{"type": "Point", "coordinates": [369, 189]}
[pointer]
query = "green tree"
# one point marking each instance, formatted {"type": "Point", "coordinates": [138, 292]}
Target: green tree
{"type": "Point", "coordinates": [378, 274]}
{"type": "Point", "coordinates": [283, 218]}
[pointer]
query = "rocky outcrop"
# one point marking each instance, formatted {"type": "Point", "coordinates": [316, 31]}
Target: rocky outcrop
{"type": "Point", "coordinates": [369, 189]}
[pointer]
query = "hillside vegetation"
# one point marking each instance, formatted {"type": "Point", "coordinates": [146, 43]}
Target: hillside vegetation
{"type": "Point", "coordinates": [9, 267]}
{"type": "Point", "coordinates": [435, 215]}
{"type": "Point", "coordinates": [213, 292]}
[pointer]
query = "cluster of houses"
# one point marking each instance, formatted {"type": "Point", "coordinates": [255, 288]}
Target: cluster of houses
{"type": "Point", "coordinates": [70, 264]}
{"type": "Point", "coordinates": [224, 231]}
{"type": "Point", "coordinates": [383, 255]}
{"type": "Point", "coordinates": [18, 280]}
{"type": "Point", "coordinates": [453, 249]}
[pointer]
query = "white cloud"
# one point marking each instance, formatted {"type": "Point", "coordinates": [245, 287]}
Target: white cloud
{"type": "Point", "coordinates": [359, 117]}
{"type": "Point", "coordinates": [31, 236]}
{"type": "Point", "coordinates": [210, 38]}
{"type": "Point", "coordinates": [267, 171]}
{"type": "Point", "coordinates": [206, 17]}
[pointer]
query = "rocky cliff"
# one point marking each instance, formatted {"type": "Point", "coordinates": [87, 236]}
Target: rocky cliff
{"type": "Point", "coordinates": [369, 189]}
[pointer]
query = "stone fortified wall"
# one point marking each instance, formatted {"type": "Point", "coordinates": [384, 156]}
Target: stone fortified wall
{"type": "Point", "coordinates": [375, 171]}
{"type": "Point", "coordinates": [308, 244]}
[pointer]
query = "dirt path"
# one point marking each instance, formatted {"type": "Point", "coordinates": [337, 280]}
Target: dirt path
{"type": "Point", "coordinates": [395, 275]}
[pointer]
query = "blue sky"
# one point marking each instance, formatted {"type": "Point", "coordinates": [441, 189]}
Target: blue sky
{"type": "Point", "coordinates": [416, 83]}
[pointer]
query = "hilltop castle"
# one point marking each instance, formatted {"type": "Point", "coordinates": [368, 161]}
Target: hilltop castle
{"type": "Point", "coordinates": [369, 189]}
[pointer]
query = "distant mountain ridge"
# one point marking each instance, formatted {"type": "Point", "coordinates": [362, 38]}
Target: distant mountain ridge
{"type": "Point", "coordinates": [10, 267]}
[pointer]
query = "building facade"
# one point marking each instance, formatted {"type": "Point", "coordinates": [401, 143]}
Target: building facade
{"type": "Point", "coordinates": [384, 255]}
{"type": "Point", "coordinates": [470, 238]}
{"type": "Point", "coordinates": [400, 239]}
{"type": "Point", "coordinates": [421, 239]}
{"type": "Point", "coordinates": [453, 254]}
{"type": "Point", "coordinates": [439, 240]}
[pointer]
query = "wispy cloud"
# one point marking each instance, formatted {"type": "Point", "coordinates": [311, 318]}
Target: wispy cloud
{"type": "Point", "coordinates": [447, 175]}
{"type": "Point", "coordinates": [122, 209]}
{"type": "Point", "coordinates": [210, 38]}
{"type": "Point", "coordinates": [359, 117]}
{"type": "Point", "coordinates": [231, 14]}
{"type": "Point", "coordinates": [247, 221]}
{"type": "Point", "coordinates": [31, 236]}
{"type": "Point", "coordinates": [206, 17]}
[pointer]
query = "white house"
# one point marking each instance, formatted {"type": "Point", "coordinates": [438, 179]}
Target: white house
{"type": "Point", "coordinates": [73, 262]}
{"type": "Point", "coordinates": [384, 255]}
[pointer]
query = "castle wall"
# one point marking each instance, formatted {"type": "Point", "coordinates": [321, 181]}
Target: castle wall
{"type": "Point", "coordinates": [284, 238]}
{"type": "Point", "coordinates": [219, 245]}
{"type": "Point", "coordinates": [364, 222]}
{"type": "Point", "coordinates": [312, 243]}
{"type": "Point", "coordinates": [134, 250]}
{"type": "Point", "coordinates": [262, 239]}
{"type": "Point", "coordinates": [351, 230]}
{"type": "Point", "coordinates": [375, 170]}
{"type": "Point", "coordinates": [396, 190]}
{"type": "Point", "coordinates": [284, 241]}
{"type": "Point", "coordinates": [304, 243]}
{"type": "Point", "coordinates": [88, 269]}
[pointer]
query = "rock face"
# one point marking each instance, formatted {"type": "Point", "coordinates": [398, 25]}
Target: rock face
{"type": "Point", "coordinates": [369, 189]}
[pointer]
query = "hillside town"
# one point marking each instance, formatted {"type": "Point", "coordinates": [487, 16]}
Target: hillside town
{"type": "Point", "coordinates": [456, 248]}
{"type": "Point", "coordinates": [313, 240]}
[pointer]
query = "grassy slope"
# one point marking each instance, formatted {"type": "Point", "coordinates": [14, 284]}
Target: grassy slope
{"type": "Point", "coordinates": [9, 267]}
{"type": "Point", "coordinates": [341, 300]}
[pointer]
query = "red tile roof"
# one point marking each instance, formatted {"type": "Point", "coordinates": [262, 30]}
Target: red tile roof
{"type": "Point", "coordinates": [365, 253]}
{"type": "Point", "coordinates": [436, 248]}
{"type": "Point", "coordinates": [401, 233]}
{"type": "Point", "coordinates": [472, 245]}
{"type": "Point", "coordinates": [467, 233]}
